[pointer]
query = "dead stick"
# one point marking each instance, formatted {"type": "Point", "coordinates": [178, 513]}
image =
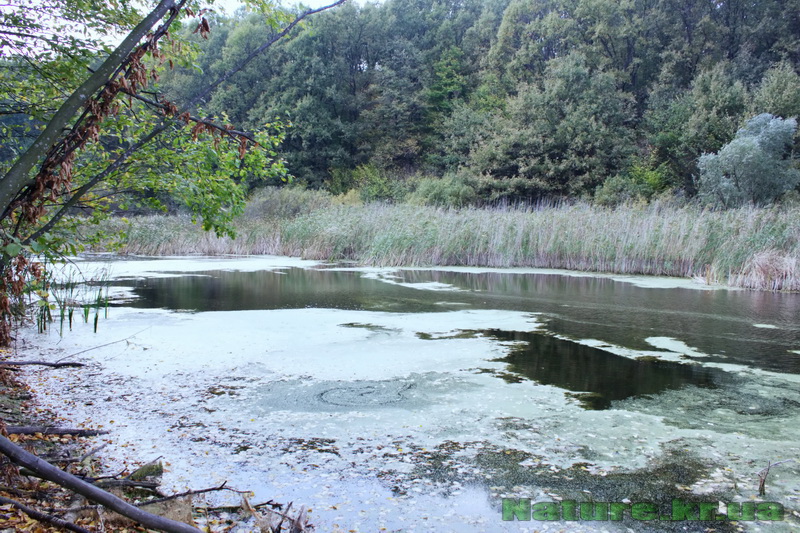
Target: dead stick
{"type": "Point", "coordinates": [47, 430]}
{"type": "Point", "coordinates": [762, 480]}
{"type": "Point", "coordinates": [16, 491]}
{"type": "Point", "coordinates": [57, 459]}
{"type": "Point", "coordinates": [109, 481]}
{"type": "Point", "coordinates": [156, 500]}
{"type": "Point", "coordinates": [42, 517]}
{"type": "Point", "coordinates": [92, 452]}
{"type": "Point", "coordinates": [192, 493]}
{"type": "Point", "coordinates": [51, 473]}
{"type": "Point", "coordinates": [101, 346]}
{"type": "Point", "coordinates": [762, 476]}
{"type": "Point", "coordinates": [38, 363]}
{"type": "Point", "coordinates": [127, 483]}
{"type": "Point", "coordinates": [274, 508]}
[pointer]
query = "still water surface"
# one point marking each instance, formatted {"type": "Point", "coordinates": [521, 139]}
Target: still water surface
{"type": "Point", "coordinates": [403, 398]}
{"type": "Point", "coordinates": [753, 328]}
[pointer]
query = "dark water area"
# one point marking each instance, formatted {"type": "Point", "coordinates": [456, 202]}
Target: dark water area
{"type": "Point", "coordinates": [721, 323]}
{"type": "Point", "coordinates": [599, 377]}
{"type": "Point", "coordinates": [757, 329]}
{"type": "Point", "coordinates": [294, 288]}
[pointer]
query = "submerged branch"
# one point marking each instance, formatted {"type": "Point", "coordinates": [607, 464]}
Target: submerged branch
{"type": "Point", "coordinates": [101, 346]}
{"type": "Point", "coordinates": [145, 503]}
{"type": "Point", "coordinates": [48, 430]}
{"type": "Point", "coordinates": [39, 363]}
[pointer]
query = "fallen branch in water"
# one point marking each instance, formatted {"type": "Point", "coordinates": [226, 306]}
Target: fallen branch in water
{"type": "Point", "coordinates": [49, 430]}
{"type": "Point", "coordinates": [269, 520]}
{"type": "Point", "coordinates": [43, 517]}
{"type": "Point", "coordinates": [82, 458]}
{"type": "Point", "coordinates": [39, 363]}
{"type": "Point", "coordinates": [127, 483]}
{"type": "Point", "coordinates": [193, 492]}
{"type": "Point", "coordinates": [105, 482]}
{"type": "Point", "coordinates": [49, 472]}
{"type": "Point", "coordinates": [101, 346]}
{"type": "Point", "coordinates": [92, 452]}
{"type": "Point", "coordinates": [158, 500]}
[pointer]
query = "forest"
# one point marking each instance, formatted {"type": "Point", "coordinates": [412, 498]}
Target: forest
{"type": "Point", "coordinates": [661, 135]}
{"type": "Point", "coordinates": [474, 102]}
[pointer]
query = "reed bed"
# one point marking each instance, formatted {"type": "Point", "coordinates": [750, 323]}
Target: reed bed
{"type": "Point", "coordinates": [748, 247]}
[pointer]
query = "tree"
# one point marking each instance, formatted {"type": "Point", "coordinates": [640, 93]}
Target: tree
{"type": "Point", "coordinates": [449, 83]}
{"type": "Point", "coordinates": [98, 139]}
{"type": "Point", "coordinates": [682, 124]}
{"type": "Point", "coordinates": [45, 50]}
{"type": "Point", "coordinates": [563, 136]}
{"type": "Point", "coordinates": [317, 80]}
{"type": "Point", "coordinates": [779, 92]}
{"type": "Point", "coordinates": [756, 167]}
{"type": "Point", "coordinates": [417, 85]}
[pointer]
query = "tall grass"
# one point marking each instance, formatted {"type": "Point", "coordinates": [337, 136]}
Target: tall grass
{"type": "Point", "coordinates": [746, 247]}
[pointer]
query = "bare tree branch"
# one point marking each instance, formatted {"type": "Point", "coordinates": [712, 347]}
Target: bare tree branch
{"type": "Point", "coordinates": [38, 363]}
{"type": "Point", "coordinates": [58, 476]}
{"type": "Point", "coordinates": [42, 517]}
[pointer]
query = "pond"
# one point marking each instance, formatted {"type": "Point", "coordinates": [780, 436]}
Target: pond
{"type": "Point", "coordinates": [421, 399]}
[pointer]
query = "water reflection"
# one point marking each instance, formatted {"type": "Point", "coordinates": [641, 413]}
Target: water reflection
{"type": "Point", "coordinates": [716, 322]}
{"type": "Point", "coordinates": [600, 376]}
{"type": "Point", "coordinates": [720, 323]}
{"type": "Point", "coordinates": [290, 289]}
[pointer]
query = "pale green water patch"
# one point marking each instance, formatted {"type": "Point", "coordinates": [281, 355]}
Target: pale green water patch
{"type": "Point", "coordinates": [412, 392]}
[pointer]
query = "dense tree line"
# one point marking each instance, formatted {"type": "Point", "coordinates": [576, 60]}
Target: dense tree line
{"type": "Point", "coordinates": [514, 98]}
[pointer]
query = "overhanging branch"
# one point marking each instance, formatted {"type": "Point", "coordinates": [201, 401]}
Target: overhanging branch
{"type": "Point", "coordinates": [19, 174]}
{"type": "Point", "coordinates": [176, 115]}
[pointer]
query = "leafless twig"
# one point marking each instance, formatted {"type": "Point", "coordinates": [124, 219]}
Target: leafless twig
{"type": "Point", "coordinates": [762, 476]}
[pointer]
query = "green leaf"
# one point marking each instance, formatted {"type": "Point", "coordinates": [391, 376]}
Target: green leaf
{"type": "Point", "coordinates": [13, 249]}
{"type": "Point", "coordinates": [38, 247]}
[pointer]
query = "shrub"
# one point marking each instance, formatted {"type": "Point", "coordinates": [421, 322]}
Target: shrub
{"type": "Point", "coordinates": [449, 191]}
{"type": "Point", "coordinates": [640, 182]}
{"type": "Point", "coordinates": [280, 203]}
{"type": "Point", "coordinates": [755, 167]}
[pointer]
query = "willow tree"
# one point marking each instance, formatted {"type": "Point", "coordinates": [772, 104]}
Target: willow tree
{"type": "Point", "coordinates": [97, 127]}
{"type": "Point", "coordinates": [756, 167]}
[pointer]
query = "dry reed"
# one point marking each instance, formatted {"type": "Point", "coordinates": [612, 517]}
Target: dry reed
{"type": "Point", "coordinates": [749, 247]}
